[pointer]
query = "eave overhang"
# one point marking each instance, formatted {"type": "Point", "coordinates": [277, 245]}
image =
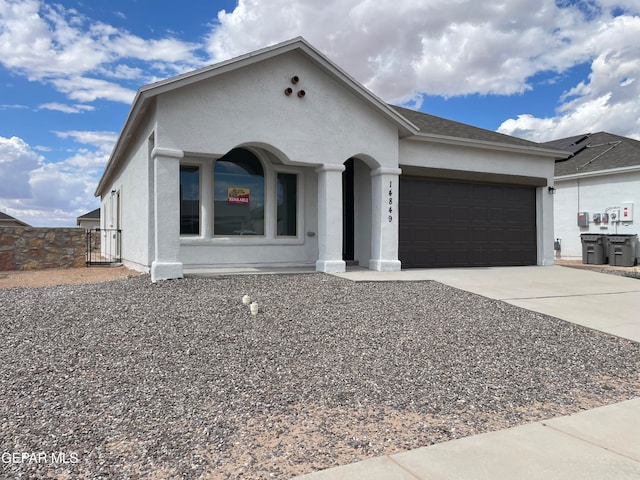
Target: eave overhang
{"type": "Point", "coordinates": [598, 173]}
{"type": "Point", "coordinates": [487, 145]}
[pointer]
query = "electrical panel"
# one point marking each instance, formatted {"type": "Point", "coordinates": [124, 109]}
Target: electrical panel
{"type": "Point", "coordinates": [583, 219]}
{"type": "Point", "coordinates": [614, 215]}
{"type": "Point", "coordinates": [626, 212]}
{"type": "Point", "coordinates": [597, 218]}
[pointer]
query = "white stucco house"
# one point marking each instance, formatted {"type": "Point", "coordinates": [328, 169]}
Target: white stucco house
{"type": "Point", "coordinates": [597, 189]}
{"type": "Point", "coordinates": [280, 158]}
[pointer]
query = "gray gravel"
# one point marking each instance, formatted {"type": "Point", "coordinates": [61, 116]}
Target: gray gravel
{"type": "Point", "coordinates": [177, 380]}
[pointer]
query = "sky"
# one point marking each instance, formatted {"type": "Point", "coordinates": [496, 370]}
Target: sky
{"type": "Point", "coordinates": [69, 70]}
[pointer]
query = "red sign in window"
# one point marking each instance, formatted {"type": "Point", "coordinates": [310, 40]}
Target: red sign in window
{"type": "Point", "coordinates": [238, 195]}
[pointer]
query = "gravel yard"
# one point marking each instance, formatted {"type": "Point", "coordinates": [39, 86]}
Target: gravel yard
{"type": "Point", "coordinates": [128, 379]}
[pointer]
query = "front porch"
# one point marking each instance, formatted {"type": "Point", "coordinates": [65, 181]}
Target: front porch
{"type": "Point", "coordinates": [254, 209]}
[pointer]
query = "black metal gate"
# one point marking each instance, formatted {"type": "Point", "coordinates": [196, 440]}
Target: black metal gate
{"type": "Point", "coordinates": [104, 246]}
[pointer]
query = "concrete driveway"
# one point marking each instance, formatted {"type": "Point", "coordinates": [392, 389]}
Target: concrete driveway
{"type": "Point", "coordinates": [595, 444]}
{"type": "Point", "coordinates": [608, 303]}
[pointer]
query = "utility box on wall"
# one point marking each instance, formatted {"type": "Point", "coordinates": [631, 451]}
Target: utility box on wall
{"type": "Point", "coordinates": [626, 212]}
{"type": "Point", "coordinates": [583, 219]}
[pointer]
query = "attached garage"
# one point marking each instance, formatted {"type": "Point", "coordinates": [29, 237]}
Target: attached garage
{"type": "Point", "coordinates": [445, 223]}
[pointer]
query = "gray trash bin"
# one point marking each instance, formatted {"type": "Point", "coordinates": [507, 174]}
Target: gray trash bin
{"type": "Point", "coordinates": [594, 251]}
{"type": "Point", "coordinates": [622, 250]}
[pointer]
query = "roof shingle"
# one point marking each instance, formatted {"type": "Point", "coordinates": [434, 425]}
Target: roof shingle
{"type": "Point", "coordinates": [449, 128]}
{"type": "Point", "coordinates": [594, 152]}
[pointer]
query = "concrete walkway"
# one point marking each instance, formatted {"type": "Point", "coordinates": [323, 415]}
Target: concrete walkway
{"type": "Point", "coordinates": [603, 443]}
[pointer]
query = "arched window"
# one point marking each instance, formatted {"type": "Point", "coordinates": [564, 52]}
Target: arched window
{"type": "Point", "coordinates": [238, 185]}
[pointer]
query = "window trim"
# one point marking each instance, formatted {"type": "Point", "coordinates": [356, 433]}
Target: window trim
{"type": "Point", "coordinates": [200, 226]}
{"type": "Point", "coordinates": [206, 162]}
{"type": "Point", "coordinates": [192, 161]}
{"type": "Point", "coordinates": [263, 164]}
{"type": "Point", "coordinates": [298, 175]}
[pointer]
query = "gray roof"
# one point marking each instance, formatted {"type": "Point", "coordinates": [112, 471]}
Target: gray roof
{"type": "Point", "coordinates": [449, 128]}
{"type": "Point", "coordinates": [92, 215]}
{"type": "Point", "coordinates": [8, 218]}
{"type": "Point", "coordinates": [595, 152]}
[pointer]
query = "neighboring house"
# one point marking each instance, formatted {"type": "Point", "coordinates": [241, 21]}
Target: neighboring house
{"type": "Point", "coordinates": [9, 221]}
{"type": "Point", "coordinates": [597, 189]}
{"type": "Point", "coordinates": [280, 158]}
{"type": "Point", "coordinates": [90, 220]}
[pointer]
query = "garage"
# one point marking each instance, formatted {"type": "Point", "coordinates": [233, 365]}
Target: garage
{"type": "Point", "coordinates": [446, 223]}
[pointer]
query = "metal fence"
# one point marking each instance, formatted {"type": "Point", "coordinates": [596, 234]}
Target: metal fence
{"type": "Point", "coordinates": [104, 246]}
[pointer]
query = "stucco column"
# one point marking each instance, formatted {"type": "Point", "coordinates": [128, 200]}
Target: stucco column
{"type": "Point", "coordinates": [330, 219]}
{"type": "Point", "coordinates": [384, 220]}
{"type": "Point", "coordinates": [544, 209]}
{"type": "Point", "coordinates": [166, 222]}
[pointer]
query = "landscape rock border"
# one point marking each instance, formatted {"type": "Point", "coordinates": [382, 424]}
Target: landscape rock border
{"type": "Point", "coordinates": [177, 379]}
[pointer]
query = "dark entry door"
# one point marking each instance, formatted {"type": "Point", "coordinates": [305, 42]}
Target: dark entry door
{"type": "Point", "coordinates": [457, 224]}
{"type": "Point", "coordinates": [348, 212]}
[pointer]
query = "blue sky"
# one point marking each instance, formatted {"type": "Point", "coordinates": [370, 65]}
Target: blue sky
{"type": "Point", "coordinates": [538, 69]}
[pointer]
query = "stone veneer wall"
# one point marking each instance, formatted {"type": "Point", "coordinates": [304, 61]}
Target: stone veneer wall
{"type": "Point", "coordinates": [31, 248]}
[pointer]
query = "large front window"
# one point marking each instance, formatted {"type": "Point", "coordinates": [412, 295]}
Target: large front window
{"type": "Point", "coordinates": [238, 197]}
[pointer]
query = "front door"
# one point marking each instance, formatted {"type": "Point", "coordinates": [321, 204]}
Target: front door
{"type": "Point", "coordinates": [348, 214]}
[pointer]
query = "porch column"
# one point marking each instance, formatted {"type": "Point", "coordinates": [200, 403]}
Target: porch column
{"type": "Point", "coordinates": [166, 221]}
{"type": "Point", "coordinates": [384, 220]}
{"type": "Point", "coordinates": [544, 214]}
{"type": "Point", "coordinates": [330, 219]}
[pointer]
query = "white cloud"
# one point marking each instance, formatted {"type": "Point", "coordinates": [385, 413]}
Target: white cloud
{"type": "Point", "coordinates": [51, 44]}
{"type": "Point", "coordinates": [103, 140]}
{"type": "Point", "coordinates": [56, 188]}
{"type": "Point", "coordinates": [61, 107]}
{"type": "Point", "coordinates": [45, 193]}
{"type": "Point", "coordinates": [398, 49]}
{"type": "Point", "coordinates": [13, 107]}
{"type": "Point", "coordinates": [17, 160]}
{"type": "Point", "coordinates": [401, 50]}
{"type": "Point", "coordinates": [84, 89]}
{"type": "Point", "coordinates": [608, 101]}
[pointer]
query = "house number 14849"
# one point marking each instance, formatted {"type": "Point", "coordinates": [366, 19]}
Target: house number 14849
{"type": "Point", "coordinates": [390, 201]}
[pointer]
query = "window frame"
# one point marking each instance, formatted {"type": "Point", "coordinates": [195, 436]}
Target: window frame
{"type": "Point", "coordinates": [298, 204]}
{"type": "Point", "coordinates": [206, 162]}
{"type": "Point", "coordinates": [264, 198]}
{"type": "Point", "coordinates": [200, 223]}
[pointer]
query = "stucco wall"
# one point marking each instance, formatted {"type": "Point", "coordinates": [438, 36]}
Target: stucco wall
{"type": "Point", "coordinates": [30, 248]}
{"type": "Point", "coordinates": [594, 195]}
{"type": "Point", "coordinates": [434, 155]}
{"type": "Point", "coordinates": [248, 106]}
{"type": "Point", "coordinates": [131, 184]}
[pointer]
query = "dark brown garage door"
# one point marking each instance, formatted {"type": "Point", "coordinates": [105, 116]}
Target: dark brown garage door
{"type": "Point", "coordinates": [458, 224]}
